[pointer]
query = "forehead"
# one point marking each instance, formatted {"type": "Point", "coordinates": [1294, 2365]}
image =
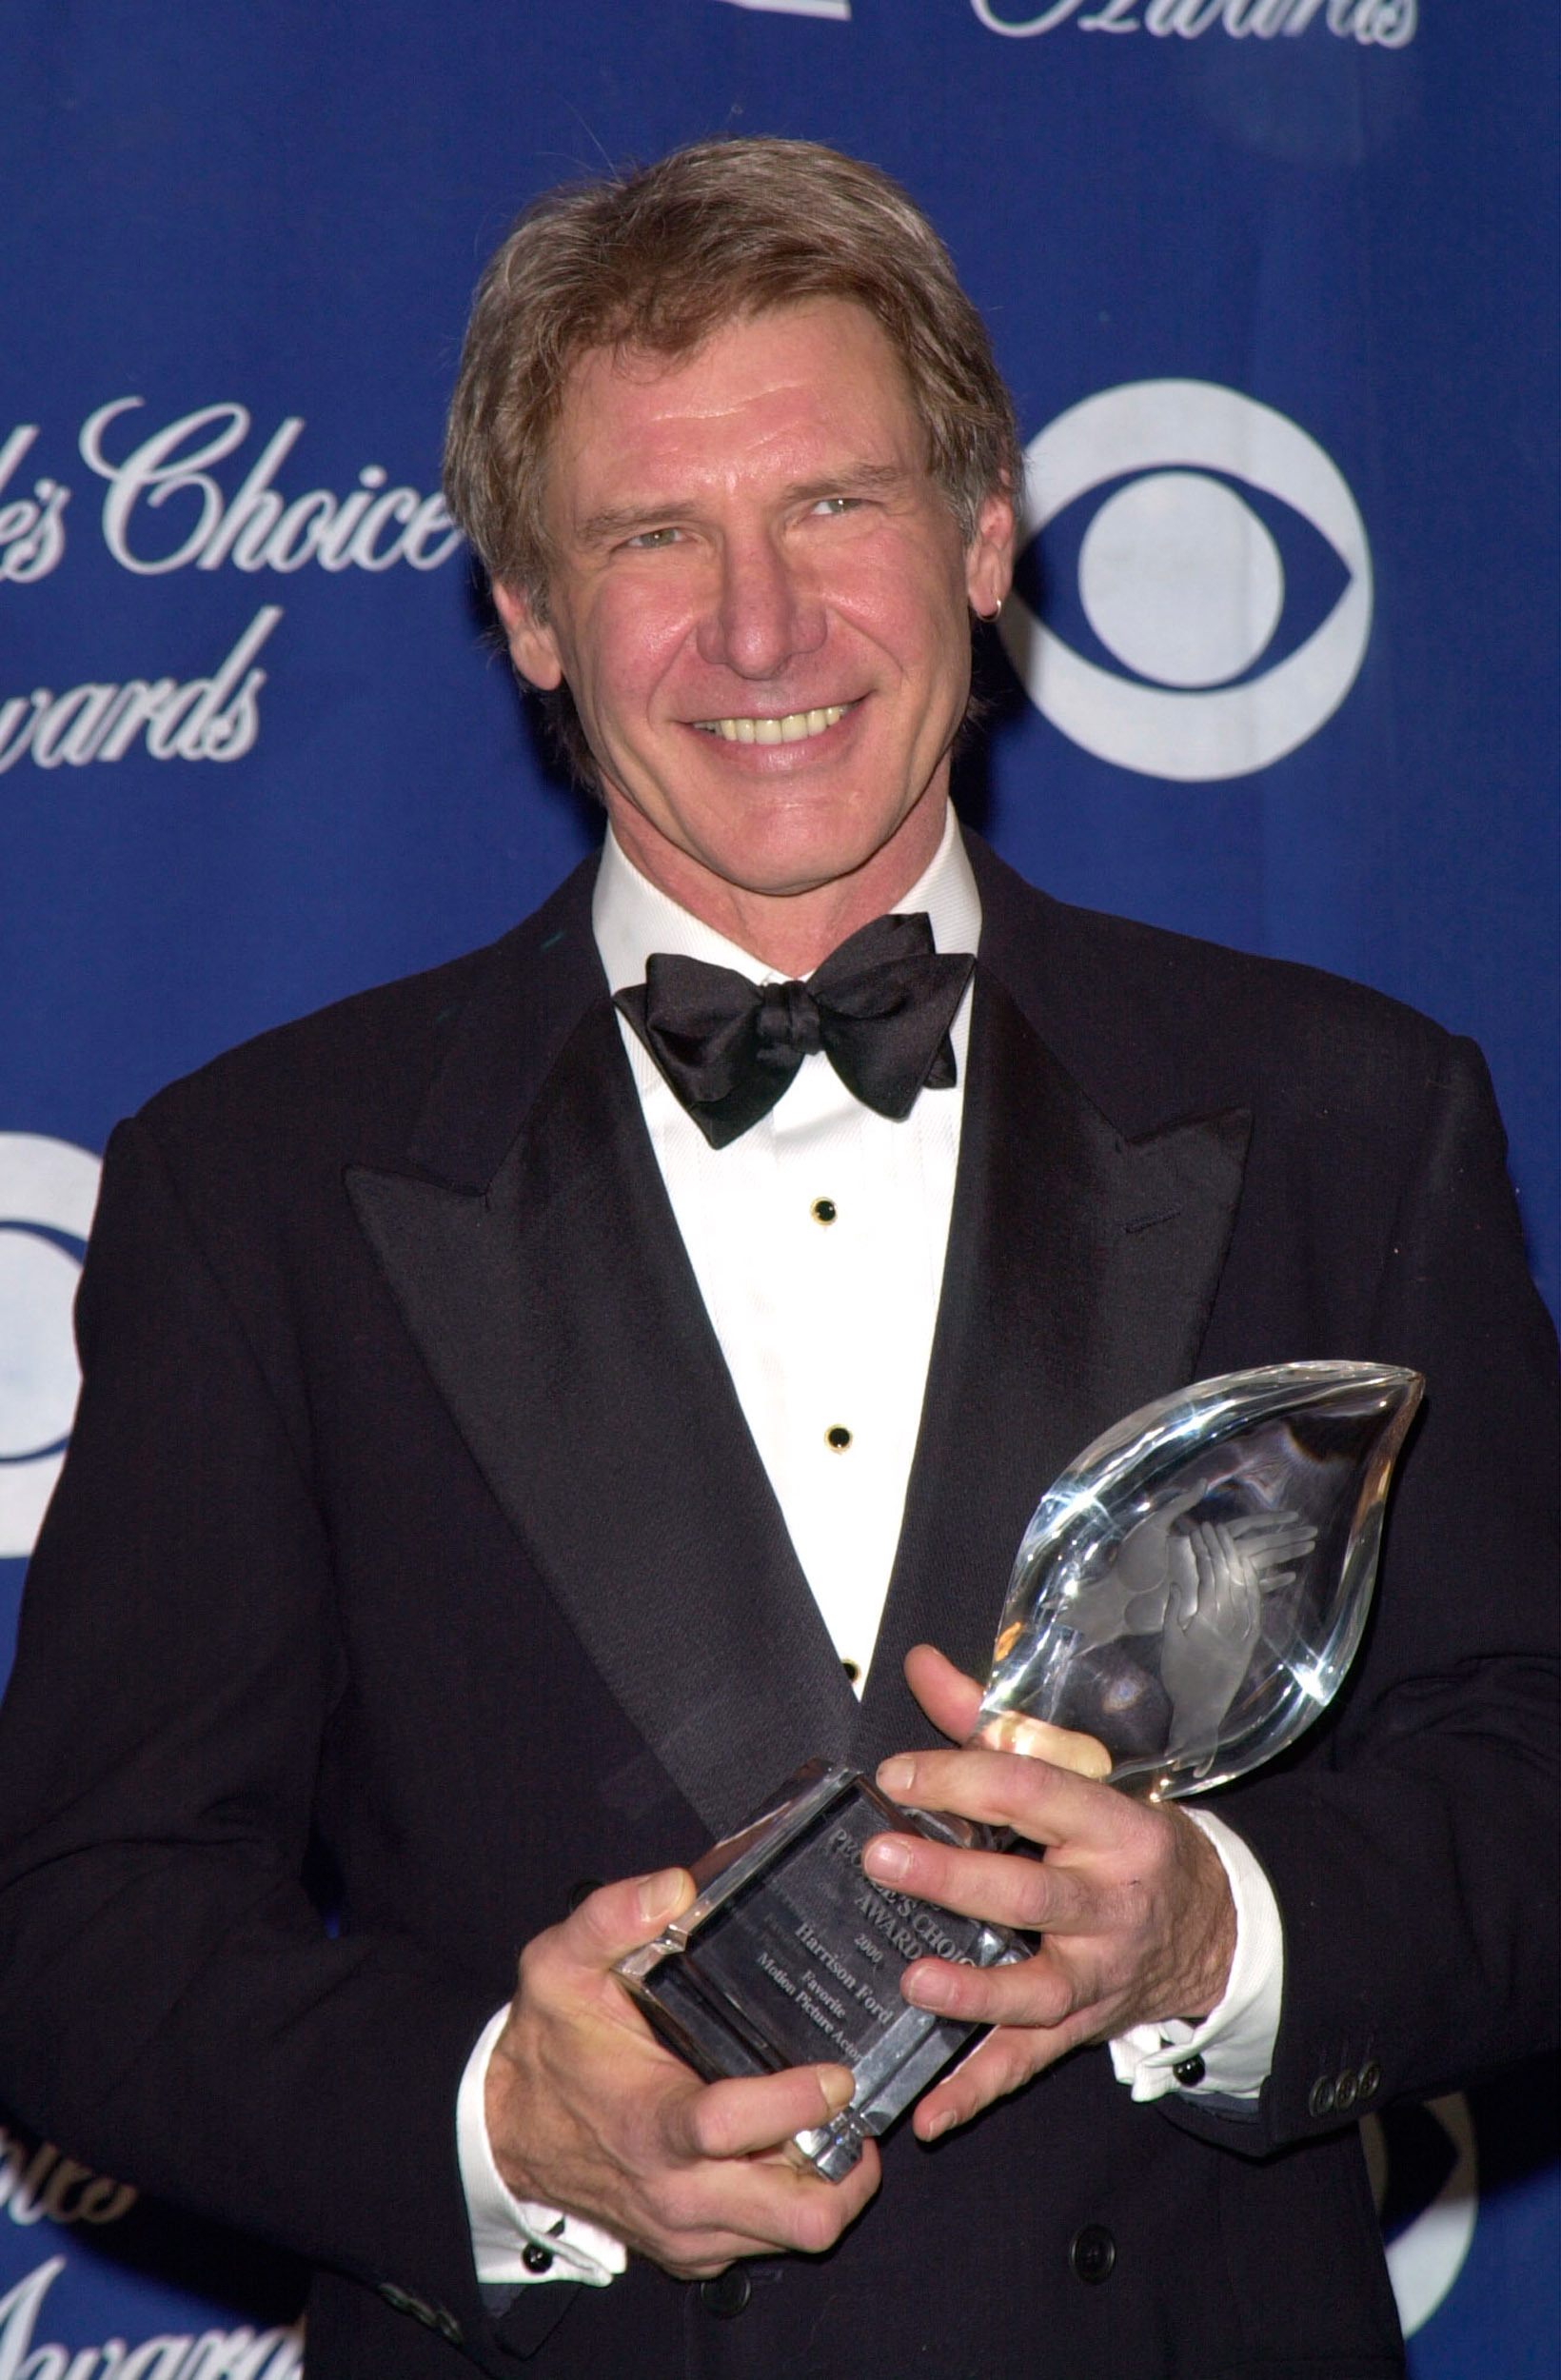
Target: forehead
{"type": "Point", "coordinates": [794, 388]}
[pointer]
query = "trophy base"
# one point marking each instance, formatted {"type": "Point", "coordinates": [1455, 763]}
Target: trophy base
{"type": "Point", "coordinates": [792, 1956]}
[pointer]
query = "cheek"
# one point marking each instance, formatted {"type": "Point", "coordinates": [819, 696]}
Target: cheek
{"type": "Point", "coordinates": [625, 652]}
{"type": "Point", "coordinates": [914, 611]}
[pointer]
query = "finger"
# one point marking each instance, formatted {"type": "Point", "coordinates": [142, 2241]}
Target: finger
{"type": "Point", "coordinates": [1043, 1990]}
{"type": "Point", "coordinates": [1038, 1740]}
{"type": "Point", "coordinates": [1045, 1804]}
{"type": "Point", "coordinates": [742, 2117]}
{"type": "Point", "coordinates": [1002, 1888]}
{"type": "Point", "coordinates": [1261, 1539]}
{"type": "Point", "coordinates": [953, 1703]}
{"type": "Point", "coordinates": [949, 1699]}
{"type": "Point", "coordinates": [619, 1917]}
{"type": "Point", "coordinates": [715, 2213]}
{"type": "Point", "coordinates": [1266, 1557]}
{"type": "Point", "coordinates": [1177, 1505]}
{"type": "Point", "coordinates": [1263, 1527]}
{"type": "Point", "coordinates": [1001, 2063]}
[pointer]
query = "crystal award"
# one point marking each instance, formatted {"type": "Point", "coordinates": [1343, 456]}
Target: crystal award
{"type": "Point", "coordinates": [1190, 1593]}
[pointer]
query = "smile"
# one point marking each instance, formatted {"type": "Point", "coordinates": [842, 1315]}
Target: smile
{"type": "Point", "coordinates": [791, 727]}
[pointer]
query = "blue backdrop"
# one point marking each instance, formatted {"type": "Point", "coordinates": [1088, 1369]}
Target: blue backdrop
{"type": "Point", "coordinates": [1273, 282]}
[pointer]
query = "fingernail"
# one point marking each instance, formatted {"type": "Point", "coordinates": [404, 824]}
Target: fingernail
{"type": "Point", "coordinates": [942, 2124]}
{"type": "Point", "coordinates": [899, 1774]}
{"type": "Point", "coordinates": [888, 1857]}
{"type": "Point", "coordinates": [926, 1986]}
{"type": "Point", "coordinates": [660, 1893]}
{"type": "Point", "coordinates": [838, 2087]}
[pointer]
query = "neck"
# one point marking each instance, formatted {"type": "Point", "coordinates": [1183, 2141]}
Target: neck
{"type": "Point", "coordinates": [792, 932]}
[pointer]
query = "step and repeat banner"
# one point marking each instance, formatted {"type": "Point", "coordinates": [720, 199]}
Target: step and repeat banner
{"type": "Point", "coordinates": [1273, 284]}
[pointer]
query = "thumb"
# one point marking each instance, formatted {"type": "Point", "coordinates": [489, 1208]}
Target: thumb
{"type": "Point", "coordinates": [619, 1917]}
{"type": "Point", "coordinates": [949, 1699]}
{"type": "Point", "coordinates": [953, 1702]}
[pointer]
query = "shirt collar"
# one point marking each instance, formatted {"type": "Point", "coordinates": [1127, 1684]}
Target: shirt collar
{"type": "Point", "coordinates": [631, 917]}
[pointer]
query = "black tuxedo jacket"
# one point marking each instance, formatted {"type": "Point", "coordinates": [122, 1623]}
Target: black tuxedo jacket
{"type": "Point", "coordinates": [410, 1509]}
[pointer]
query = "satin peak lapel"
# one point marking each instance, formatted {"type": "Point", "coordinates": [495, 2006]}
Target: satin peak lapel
{"type": "Point", "coordinates": [1080, 1274]}
{"type": "Point", "coordinates": [558, 1317]}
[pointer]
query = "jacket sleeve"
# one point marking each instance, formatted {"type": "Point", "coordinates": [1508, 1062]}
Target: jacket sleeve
{"type": "Point", "coordinates": [172, 2006]}
{"type": "Point", "coordinates": [1412, 1846]}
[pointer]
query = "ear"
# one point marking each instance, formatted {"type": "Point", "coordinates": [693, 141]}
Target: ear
{"type": "Point", "coordinates": [533, 646]}
{"type": "Point", "coordinates": [989, 557]}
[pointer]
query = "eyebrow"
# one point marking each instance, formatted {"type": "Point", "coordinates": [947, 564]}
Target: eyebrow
{"type": "Point", "coordinates": [859, 479]}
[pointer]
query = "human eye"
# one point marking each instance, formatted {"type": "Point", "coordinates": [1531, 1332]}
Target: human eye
{"type": "Point", "coordinates": [649, 541]}
{"type": "Point", "coordinates": [832, 507]}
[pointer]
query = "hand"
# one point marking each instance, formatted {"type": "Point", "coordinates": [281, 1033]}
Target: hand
{"type": "Point", "coordinates": [1131, 1899]}
{"type": "Point", "coordinates": [586, 2111]}
{"type": "Point", "coordinates": [1219, 1573]}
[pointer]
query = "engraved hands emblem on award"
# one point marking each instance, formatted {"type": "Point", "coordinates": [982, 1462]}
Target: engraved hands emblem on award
{"type": "Point", "coordinates": [1190, 1592]}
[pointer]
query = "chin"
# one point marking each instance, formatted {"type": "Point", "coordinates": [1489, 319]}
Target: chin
{"type": "Point", "coordinates": [811, 841]}
{"type": "Point", "coordinates": [780, 864]}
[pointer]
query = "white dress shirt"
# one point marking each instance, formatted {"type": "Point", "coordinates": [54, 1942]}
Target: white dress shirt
{"type": "Point", "coordinates": [818, 1241]}
{"type": "Point", "coordinates": [825, 1325]}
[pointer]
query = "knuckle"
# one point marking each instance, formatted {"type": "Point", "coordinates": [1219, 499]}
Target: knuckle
{"type": "Point", "coordinates": [1018, 2060]}
{"type": "Point", "coordinates": [1138, 1907]}
{"type": "Point", "coordinates": [685, 2261]}
{"type": "Point", "coordinates": [1165, 1828]}
{"type": "Point", "coordinates": [681, 2212]}
{"type": "Point", "coordinates": [1035, 1897]}
{"type": "Point", "coordinates": [928, 1865]}
{"type": "Point", "coordinates": [537, 1977]}
{"type": "Point", "coordinates": [817, 2224]}
{"type": "Point", "coordinates": [1049, 1994]}
{"type": "Point", "coordinates": [711, 2131]}
{"type": "Point", "coordinates": [1011, 1786]}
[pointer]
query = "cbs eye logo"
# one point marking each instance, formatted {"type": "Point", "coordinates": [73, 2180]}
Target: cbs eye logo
{"type": "Point", "coordinates": [1425, 2160]}
{"type": "Point", "coordinates": [48, 1191]}
{"type": "Point", "coordinates": [1181, 580]}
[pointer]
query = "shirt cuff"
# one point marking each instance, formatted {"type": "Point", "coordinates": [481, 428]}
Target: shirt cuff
{"type": "Point", "coordinates": [504, 2227]}
{"type": "Point", "coordinates": [1234, 2043]}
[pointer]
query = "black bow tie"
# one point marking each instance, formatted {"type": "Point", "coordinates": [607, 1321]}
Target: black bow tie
{"type": "Point", "coordinates": [880, 1008]}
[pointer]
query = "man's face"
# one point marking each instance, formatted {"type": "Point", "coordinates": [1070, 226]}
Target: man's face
{"type": "Point", "coordinates": [759, 601]}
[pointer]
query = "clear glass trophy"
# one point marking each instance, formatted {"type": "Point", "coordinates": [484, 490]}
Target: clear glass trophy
{"type": "Point", "coordinates": [1190, 1593]}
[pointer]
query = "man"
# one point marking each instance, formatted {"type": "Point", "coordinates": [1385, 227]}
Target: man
{"type": "Point", "coordinates": [515, 1426]}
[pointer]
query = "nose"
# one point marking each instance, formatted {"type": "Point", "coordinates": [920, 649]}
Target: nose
{"type": "Point", "coordinates": [762, 614]}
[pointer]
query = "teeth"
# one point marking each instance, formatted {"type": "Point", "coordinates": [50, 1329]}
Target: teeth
{"type": "Point", "coordinates": [794, 728]}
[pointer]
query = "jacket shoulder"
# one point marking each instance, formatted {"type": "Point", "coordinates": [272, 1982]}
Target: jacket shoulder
{"type": "Point", "coordinates": [1148, 1019]}
{"type": "Point", "coordinates": [354, 1076]}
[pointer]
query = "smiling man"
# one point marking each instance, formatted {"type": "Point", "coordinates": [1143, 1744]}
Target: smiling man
{"type": "Point", "coordinates": [760, 601]}
{"type": "Point", "coordinates": [529, 1409]}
